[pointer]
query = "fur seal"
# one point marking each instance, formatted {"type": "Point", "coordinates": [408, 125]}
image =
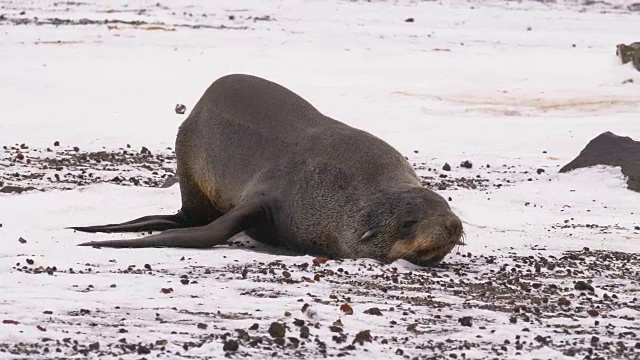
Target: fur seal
{"type": "Point", "coordinates": [254, 156]}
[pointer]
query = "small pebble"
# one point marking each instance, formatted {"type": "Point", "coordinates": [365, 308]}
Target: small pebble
{"type": "Point", "coordinates": [230, 345]}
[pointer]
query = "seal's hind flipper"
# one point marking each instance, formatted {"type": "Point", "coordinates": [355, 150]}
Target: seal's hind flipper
{"type": "Point", "coordinates": [240, 218]}
{"type": "Point", "coordinates": [145, 223]}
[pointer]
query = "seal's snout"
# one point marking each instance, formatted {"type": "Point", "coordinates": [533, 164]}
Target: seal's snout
{"type": "Point", "coordinates": [431, 242]}
{"type": "Point", "coordinates": [454, 226]}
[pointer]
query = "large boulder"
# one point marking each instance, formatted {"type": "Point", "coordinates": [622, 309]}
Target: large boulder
{"type": "Point", "coordinates": [613, 150]}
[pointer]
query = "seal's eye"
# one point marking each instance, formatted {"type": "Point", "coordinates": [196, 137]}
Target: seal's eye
{"type": "Point", "coordinates": [408, 224]}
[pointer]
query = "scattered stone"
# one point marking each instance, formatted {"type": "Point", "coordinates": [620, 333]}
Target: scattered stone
{"type": "Point", "coordinates": [304, 332]}
{"type": "Point", "coordinates": [446, 167]}
{"type": "Point", "coordinates": [143, 350]}
{"type": "Point", "coordinates": [22, 240]}
{"type": "Point", "coordinates": [583, 285]}
{"type": "Point", "coordinates": [180, 109]}
{"type": "Point", "coordinates": [362, 337]}
{"type": "Point", "coordinates": [230, 345]}
{"type": "Point", "coordinates": [466, 321]}
{"type": "Point", "coordinates": [335, 329]}
{"type": "Point", "coordinates": [16, 189]}
{"type": "Point", "coordinates": [373, 311]}
{"type": "Point", "coordinates": [466, 164]}
{"type": "Point", "coordinates": [564, 301]}
{"type": "Point", "coordinates": [320, 260]}
{"type": "Point", "coordinates": [347, 309]}
{"type": "Point", "coordinates": [629, 53]}
{"type": "Point", "coordinates": [277, 330]}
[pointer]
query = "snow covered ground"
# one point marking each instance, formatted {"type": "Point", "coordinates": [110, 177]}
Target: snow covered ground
{"type": "Point", "coordinates": [513, 87]}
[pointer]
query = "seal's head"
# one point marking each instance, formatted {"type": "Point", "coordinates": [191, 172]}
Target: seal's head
{"type": "Point", "coordinates": [414, 224]}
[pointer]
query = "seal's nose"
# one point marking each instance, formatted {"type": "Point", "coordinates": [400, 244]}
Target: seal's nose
{"type": "Point", "coordinates": [454, 225]}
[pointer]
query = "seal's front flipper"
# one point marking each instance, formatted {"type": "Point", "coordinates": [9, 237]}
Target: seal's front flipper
{"type": "Point", "coordinates": [145, 223]}
{"type": "Point", "coordinates": [240, 218]}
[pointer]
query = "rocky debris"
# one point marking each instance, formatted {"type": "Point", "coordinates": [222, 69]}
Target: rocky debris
{"type": "Point", "coordinates": [230, 345]}
{"type": "Point", "coordinates": [583, 285]}
{"type": "Point", "coordinates": [362, 337]}
{"type": "Point", "coordinates": [180, 109]}
{"type": "Point", "coordinates": [532, 297]}
{"type": "Point", "coordinates": [373, 311]}
{"type": "Point", "coordinates": [277, 330]}
{"type": "Point", "coordinates": [466, 321]}
{"type": "Point", "coordinates": [629, 53]}
{"type": "Point", "coordinates": [111, 23]}
{"type": "Point", "coordinates": [66, 168]}
{"type": "Point", "coordinates": [16, 189]}
{"type": "Point", "coordinates": [612, 150]}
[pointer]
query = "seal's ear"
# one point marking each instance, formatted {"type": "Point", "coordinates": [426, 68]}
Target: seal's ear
{"type": "Point", "coordinates": [368, 235]}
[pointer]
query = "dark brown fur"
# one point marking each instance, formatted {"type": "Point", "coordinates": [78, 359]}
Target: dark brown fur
{"type": "Point", "coordinates": [254, 156]}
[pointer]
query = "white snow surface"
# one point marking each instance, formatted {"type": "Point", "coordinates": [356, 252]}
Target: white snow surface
{"type": "Point", "coordinates": [464, 81]}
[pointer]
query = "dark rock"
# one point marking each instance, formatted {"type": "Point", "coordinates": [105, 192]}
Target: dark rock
{"type": "Point", "coordinates": [362, 337]}
{"type": "Point", "coordinates": [613, 150]}
{"type": "Point", "coordinates": [143, 350]}
{"type": "Point", "coordinates": [335, 329]}
{"type": "Point", "coordinates": [16, 189]}
{"type": "Point", "coordinates": [304, 332]}
{"type": "Point", "coordinates": [230, 345]}
{"type": "Point", "coordinates": [564, 301]}
{"type": "Point", "coordinates": [277, 330]}
{"type": "Point", "coordinates": [373, 311]}
{"type": "Point", "coordinates": [180, 109]}
{"type": "Point", "coordinates": [629, 54]}
{"type": "Point", "coordinates": [466, 164]}
{"type": "Point", "coordinates": [446, 167]}
{"type": "Point", "coordinates": [466, 321]}
{"type": "Point", "coordinates": [409, 20]}
{"type": "Point", "coordinates": [583, 285]}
